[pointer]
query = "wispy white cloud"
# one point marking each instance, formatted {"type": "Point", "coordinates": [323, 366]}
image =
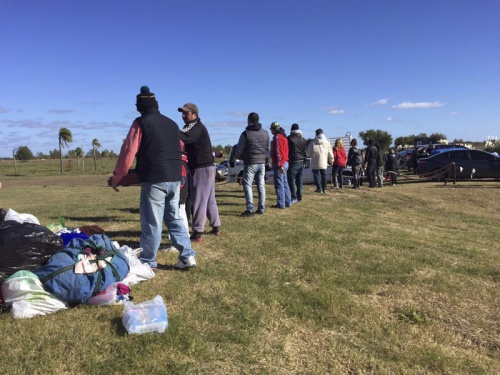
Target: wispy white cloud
{"type": "Point", "coordinates": [380, 102]}
{"type": "Point", "coordinates": [236, 113]}
{"type": "Point", "coordinates": [336, 111]}
{"type": "Point", "coordinates": [4, 110]}
{"type": "Point", "coordinates": [454, 114]}
{"type": "Point", "coordinates": [228, 124]}
{"type": "Point", "coordinates": [60, 111]}
{"type": "Point", "coordinates": [412, 105]}
{"type": "Point", "coordinates": [389, 119]}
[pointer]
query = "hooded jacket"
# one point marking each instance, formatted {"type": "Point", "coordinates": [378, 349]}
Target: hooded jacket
{"type": "Point", "coordinates": [320, 152]}
{"type": "Point", "coordinates": [296, 146]}
{"type": "Point", "coordinates": [279, 149]}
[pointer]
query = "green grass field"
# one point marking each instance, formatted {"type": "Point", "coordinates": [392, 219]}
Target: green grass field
{"type": "Point", "coordinates": [400, 280]}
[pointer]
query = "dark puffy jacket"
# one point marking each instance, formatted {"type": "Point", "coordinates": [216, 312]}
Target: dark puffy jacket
{"type": "Point", "coordinates": [296, 148]}
{"type": "Point", "coordinates": [253, 145]}
{"type": "Point", "coordinates": [159, 155]}
{"type": "Point", "coordinates": [197, 145]}
{"type": "Point", "coordinates": [392, 163]}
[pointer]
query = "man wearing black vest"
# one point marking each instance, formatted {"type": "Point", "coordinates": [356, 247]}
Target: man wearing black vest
{"type": "Point", "coordinates": [253, 148]}
{"type": "Point", "coordinates": [154, 140]}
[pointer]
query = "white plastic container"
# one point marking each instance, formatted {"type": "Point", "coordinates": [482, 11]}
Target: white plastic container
{"type": "Point", "coordinates": [148, 316]}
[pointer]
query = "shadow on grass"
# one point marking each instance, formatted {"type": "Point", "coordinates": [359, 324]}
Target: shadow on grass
{"type": "Point", "coordinates": [129, 210]}
{"type": "Point", "coordinates": [457, 186]}
{"type": "Point", "coordinates": [117, 324]}
{"type": "Point", "coordinates": [94, 219]}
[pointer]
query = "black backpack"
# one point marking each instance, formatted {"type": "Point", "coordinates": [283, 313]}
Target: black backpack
{"type": "Point", "coordinates": [356, 158]}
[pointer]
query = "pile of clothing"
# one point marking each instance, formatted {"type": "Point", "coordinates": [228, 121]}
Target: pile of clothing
{"type": "Point", "coordinates": [46, 269]}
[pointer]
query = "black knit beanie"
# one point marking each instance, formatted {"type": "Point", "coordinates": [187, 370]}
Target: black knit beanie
{"type": "Point", "coordinates": [146, 100]}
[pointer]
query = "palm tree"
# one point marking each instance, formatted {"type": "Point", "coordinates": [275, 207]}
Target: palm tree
{"type": "Point", "coordinates": [79, 154]}
{"type": "Point", "coordinates": [65, 138]}
{"type": "Point", "coordinates": [95, 146]}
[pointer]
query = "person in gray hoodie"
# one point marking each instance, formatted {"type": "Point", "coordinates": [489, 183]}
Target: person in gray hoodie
{"type": "Point", "coordinates": [253, 149]}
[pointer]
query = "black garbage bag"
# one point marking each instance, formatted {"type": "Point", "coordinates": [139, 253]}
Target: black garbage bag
{"type": "Point", "coordinates": [25, 246]}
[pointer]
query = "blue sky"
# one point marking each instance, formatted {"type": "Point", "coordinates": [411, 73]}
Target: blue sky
{"type": "Point", "coordinates": [401, 66]}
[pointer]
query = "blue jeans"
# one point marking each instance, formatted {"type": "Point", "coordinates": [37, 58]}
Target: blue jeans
{"type": "Point", "coordinates": [320, 179]}
{"type": "Point", "coordinates": [250, 172]}
{"type": "Point", "coordinates": [338, 175]}
{"type": "Point", "coordinates": [160, 202]}
{"type": "Point", "coordinates": [380, 176]}
{"type": "Point", "coordinates": [281, 186]}
{"type": "Point", "coordinates": [295, 179]}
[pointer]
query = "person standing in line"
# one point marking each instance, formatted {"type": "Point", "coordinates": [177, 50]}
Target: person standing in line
{"type": "Point", "coordinates": [321, 155]}
{"type": "Point", "coordinates": [391, 166]}
{"type": "Point", "coordinates": [355, 160]}
{"type": "Point", "coordinates": [202, 170]}
{"type": "Point", "coordinates": [381, 158]}
{"type": "Point", "coordinates": [371, 164]}
{"type": "Point", "coordinates": [154, 140]}
{"type": "Point", "coordinates": [279, 155]}
{"type": "Point", "coordinates": [253, 149]}
{"type": "Point", "coordinates": [339, 163]}
{"type": "Point", "coordinates": [296, 156]}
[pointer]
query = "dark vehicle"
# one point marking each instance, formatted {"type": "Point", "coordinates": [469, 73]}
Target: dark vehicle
{"type": "Point", "coordinates": [468, 163]}
{"type": "Point", "coordinates": [221, 171]}
{"type": "Point", "coordinates": [404, 157]}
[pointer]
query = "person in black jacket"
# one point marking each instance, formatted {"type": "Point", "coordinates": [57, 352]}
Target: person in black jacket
{"type": "Point", "coordinates": [355, 160]}
{"type": "Point", "coordinates": [202, 170]}
{"type": "Point", "coordinates": [391, 166]}
{"type": "Point", "coordinates": [253, 148]}
{"type": "Point", "coordinates": [296, 157]}
{"type": "Point", "coordinates": [371, 163]}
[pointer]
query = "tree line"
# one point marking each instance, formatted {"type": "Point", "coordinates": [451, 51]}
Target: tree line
{"type": "Point", "coordinates": [65, 138]}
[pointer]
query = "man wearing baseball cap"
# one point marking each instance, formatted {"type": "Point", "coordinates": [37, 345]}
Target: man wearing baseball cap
{"type": "Point", "coordinates": [202, 169]}
{"type": "Point", "coordinates": [279, 155]}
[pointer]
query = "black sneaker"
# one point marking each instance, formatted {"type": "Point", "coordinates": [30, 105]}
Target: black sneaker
{"type": "Point", "coordinates": [247, 213]}
{"type": "Point", "coordinates": [260, 212]}
{"type": "Point", "coordinates": [196, 237]}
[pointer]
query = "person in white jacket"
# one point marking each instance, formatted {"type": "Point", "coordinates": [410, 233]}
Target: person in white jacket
{"type": "Point", "coordinates": [321, 155]}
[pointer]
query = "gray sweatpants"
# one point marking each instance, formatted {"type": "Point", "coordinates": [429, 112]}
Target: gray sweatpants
{"type": "Point", "coordinates": [203, 197]}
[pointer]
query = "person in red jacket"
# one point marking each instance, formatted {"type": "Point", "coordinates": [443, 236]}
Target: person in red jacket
{"type": "Point", "coordinates": [339, 163]}
{"type": "Point", "coordinates": [279, 156]}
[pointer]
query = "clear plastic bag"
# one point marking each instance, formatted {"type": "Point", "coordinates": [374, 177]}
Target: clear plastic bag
{"type": "Point", "coordinates": [24, 293]}
{"type": "Point", "coordinates": [138, 271]}
{"type": "Point", "coordinates": [148, 316]}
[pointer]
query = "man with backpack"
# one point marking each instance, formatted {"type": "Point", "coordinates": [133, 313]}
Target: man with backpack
{"type": "Point", "coordinates": [371, 163]}
{"type": "Point", "coordinates": [355, 160]}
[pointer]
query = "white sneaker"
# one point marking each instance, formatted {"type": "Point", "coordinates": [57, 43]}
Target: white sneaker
{"type": "Point", "coordinates": [168, 248]}
{"type": "Point", "coordinates": [186, 263]}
